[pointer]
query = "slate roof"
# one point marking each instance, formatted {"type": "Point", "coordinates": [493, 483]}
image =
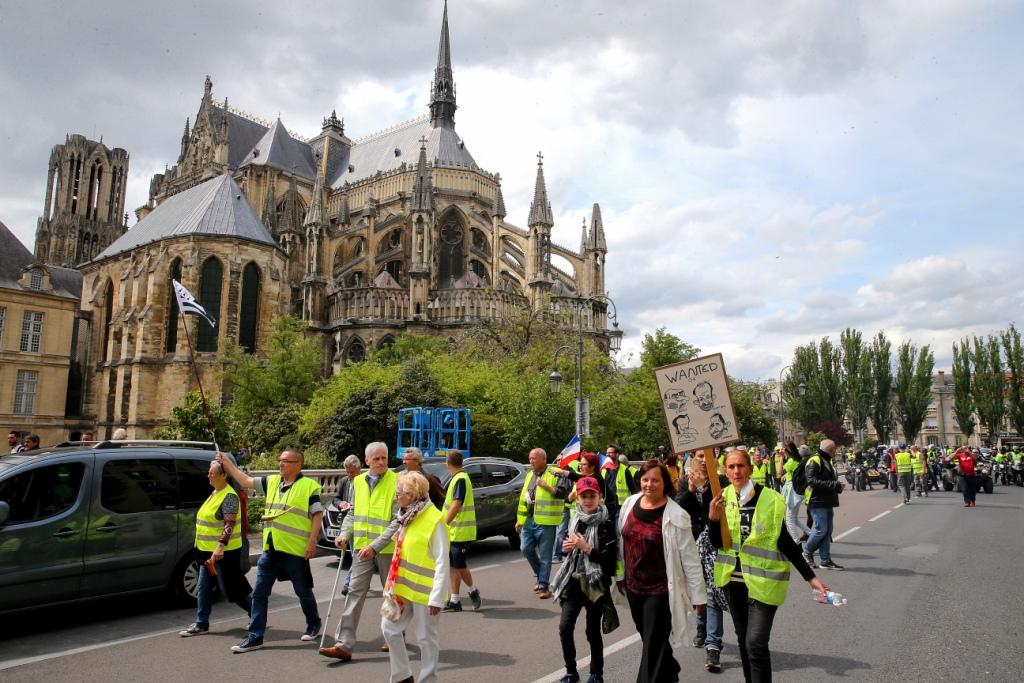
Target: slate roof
{"type": "Point", "coordinates": [243, 134]}
{"type": "Point", "coordinates": [279, 149]}
{"type": "Point", "coordinates": [376, 152]}
{"type": "Point", "coordinates": [216, 207]}
{"type": "Point", "coordinates": [15, 257]}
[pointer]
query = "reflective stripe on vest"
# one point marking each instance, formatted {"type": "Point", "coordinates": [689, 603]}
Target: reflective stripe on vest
{"type": "Point", "coordinates": [415, 578]}
{"type": "Point", "coordinates": [463, 527]}
{"type": "Point", "coordinates": [373, 511]}
{"type": "Point", "coordinates": [292, 528]}
{"type": "Point", "coordinates": [903, 463]}
{"type": "Point", "coordinates": [759, 473]}
{"type": "Point", "coordinates": [209, 528]}
{"type": "Point", "coordinates": [765, 570]}
{"type": "Point", "coordinates": [547, 510]}
{"type": "Point", "coordinates": [917, 464]}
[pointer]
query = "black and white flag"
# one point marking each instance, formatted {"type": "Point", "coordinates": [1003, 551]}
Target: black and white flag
{"type": "Point", "coordinates": [188, 305]}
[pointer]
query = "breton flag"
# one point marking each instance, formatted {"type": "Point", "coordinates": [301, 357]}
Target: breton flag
{"type": "Point", "coordinates": [188, 305]}
{"type": "Point", "coordinates": [570, 452]}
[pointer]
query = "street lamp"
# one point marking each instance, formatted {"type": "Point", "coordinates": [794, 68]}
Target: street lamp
{"type": "Point", "coordinates": [614, 344]}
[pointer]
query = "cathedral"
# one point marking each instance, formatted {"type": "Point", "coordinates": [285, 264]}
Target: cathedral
{"type": "Point", "coordinates": [364, 240]}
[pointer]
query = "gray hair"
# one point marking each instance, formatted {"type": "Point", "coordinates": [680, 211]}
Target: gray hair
{"type": "Point", "coordinates": [415, 483]}
{"type": "Point", "coordinates": [414, 452]}
{"type": "Point", "coordinates": [120, 434]}
{"type": "Point", "coordinates": [352, 461]}
{"type": "Point", "coordinates": [374, 447]}
{"type": "Point", "coordinates": [804, 450]}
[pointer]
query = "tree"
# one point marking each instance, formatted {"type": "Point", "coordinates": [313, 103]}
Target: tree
{"type": "Point", "coordinates": [856, 378]}
{"type": "Point", "coordinates": [1015, 365]}
{"type": "Point", "coordinates": [834, 429]}
{"type": "Point", "coordinates": [818, 366]}
{"type": "Point", "coordinates": [989, 385]}
{"type": "Point", "coordinates": [963, 392]}
{"type": "Point", "coordinates": [664, 348]}
{"type": "Point", "coordinates": [753, 424]}
{"type": "Point", "coordinates": [881, 375]}
{"type": "Point", "coordinates": [913, 387]}
{"type": "Point", "coordinates": [188, 423]}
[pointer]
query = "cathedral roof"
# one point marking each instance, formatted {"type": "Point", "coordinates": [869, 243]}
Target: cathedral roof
{"type": "Point", "coordinates": [243, 134]}
{"type": "Point", "coordinates": [279, 149]}
{"type": "Point", "coordinates": [377, 152]}
{"type": "Point", "coordinates": [15, 257]}
{"type": "Point", "coordinates": [215, 207]}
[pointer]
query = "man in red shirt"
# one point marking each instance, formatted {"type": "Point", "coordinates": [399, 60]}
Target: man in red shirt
{"type": "Point", "coordinates": [965, 460]}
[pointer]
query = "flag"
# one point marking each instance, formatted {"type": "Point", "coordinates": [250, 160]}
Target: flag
{"type": "Point", "coordinates": [570, 452]}
{"type": "Point", "coordinates": [606, 463]}
{"type": "Point", "coordinates": [188, 305]}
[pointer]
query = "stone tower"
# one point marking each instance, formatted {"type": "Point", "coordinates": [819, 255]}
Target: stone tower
{"type": "Point", "coordinates": [84, 208]}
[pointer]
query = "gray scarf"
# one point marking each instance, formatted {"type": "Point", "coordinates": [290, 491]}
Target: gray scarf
{"type": "Point", "coordinates": [577, 565]}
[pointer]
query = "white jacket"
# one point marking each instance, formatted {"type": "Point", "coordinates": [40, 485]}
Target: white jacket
{"type": "Point", "coordinates": [686, 586]}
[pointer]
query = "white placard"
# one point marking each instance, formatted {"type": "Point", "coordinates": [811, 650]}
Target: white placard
{"type": "Point", "coordinates": [697, 404]}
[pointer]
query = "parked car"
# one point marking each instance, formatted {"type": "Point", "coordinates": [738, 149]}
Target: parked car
{"type": "Point", "coordinates": [101, 519]}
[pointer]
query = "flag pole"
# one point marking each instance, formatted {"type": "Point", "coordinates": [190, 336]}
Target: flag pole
{"type": "Point", "coordinates": [199, 380]}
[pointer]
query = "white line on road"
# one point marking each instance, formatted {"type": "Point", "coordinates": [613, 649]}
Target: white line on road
{"type": "Point", "coordinates": [878, 517]}
{"type": "Point", "coordinates": [897, 507]}
{"type": "Point", "coordinates": [846, 533]}
{"type": "Point", "coordinates": [610, 650]}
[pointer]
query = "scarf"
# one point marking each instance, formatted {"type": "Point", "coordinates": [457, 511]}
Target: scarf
{"type": "Point", "coordinates": [578, 566]}
{"type": "Point", "coordinates": [404, 516]}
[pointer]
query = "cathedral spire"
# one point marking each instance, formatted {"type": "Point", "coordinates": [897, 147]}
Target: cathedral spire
{"type": "Point", "coordinates": [423, 188]}
{"type": "Point", "coordinates": [269, 207]}
{"type": "Point", "coordinates": [315, 213]}
{"type": "Point", "coordinates": [540, 208]}
{"type": "Point", "coordinates": [499, 199]}
{"type": "Point", "coordinates": [442, 96]}
{"type": "Point", "coordinates": [597, 230]}
{"type": "Point", "coordinates": [584, 242]}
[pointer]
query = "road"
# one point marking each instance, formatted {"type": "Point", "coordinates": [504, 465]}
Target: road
{"type": "Point", "coordinates": [933, 594]}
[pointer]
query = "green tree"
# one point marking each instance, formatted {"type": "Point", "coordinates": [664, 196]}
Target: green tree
{"type": "Point", "coordinates": [913, 387]}
{"type": "Point", "coordinates": [989, 385]}
{"type": "Point", "coordinates": [963, 392]}
{"type": "Point", "coordinates": [1015, 365]}
{"type": "Point", "coordinates": [856, 378]}
{"type": "Point", "coordinates": [188, 423]}
{"type": "Point", "coordinates": [882, 416]}
{"type": "Point", "coordinates": [818, 366]}
{"type": "Point", "coordinates": [755, 426]}
{"type": "Point", "coordinates": [664, 348]}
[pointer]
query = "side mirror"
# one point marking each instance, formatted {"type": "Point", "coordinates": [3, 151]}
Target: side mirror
{"type": "Point", "coordinates": [5, 512]}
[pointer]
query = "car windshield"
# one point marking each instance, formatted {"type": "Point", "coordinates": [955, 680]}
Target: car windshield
{"type": "Point", "coordinates": [438, 469]}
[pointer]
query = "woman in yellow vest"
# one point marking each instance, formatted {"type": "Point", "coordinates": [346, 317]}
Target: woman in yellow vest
{"type": "Point", "coordinates": [418, 579]}
{"type": "Point", "coordinates": [755, 569]}
{"type": "Point", "coordinates": [218, 543]}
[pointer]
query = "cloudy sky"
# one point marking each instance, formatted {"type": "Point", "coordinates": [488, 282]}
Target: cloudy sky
{"type": "Point", "coordinates": [768, 173]}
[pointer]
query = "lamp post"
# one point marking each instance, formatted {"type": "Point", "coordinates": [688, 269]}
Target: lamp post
{"type": "Point", "coordinates": [614, 344]}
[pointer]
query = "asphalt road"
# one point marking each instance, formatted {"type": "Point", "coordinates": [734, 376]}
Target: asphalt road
{"type": "Point", "coordinates": [933, 591]}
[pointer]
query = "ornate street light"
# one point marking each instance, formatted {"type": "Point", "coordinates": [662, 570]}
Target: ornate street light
{"type": "Point", "coordinates": [555, 380]}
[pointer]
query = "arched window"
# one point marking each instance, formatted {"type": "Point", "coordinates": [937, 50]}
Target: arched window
{"type": "Point", "coordinates": [171, 335]}
{"type": "Point", "coordinates": [248, 315]}
{"type": "Point", "coordinates": [356, 351]}
{"type": "Point", "coordinates": [450, 258]}
{"type": "Point", "coordinates": [210, 284]}
{"type": "Point", "coordinates": [108, 312]}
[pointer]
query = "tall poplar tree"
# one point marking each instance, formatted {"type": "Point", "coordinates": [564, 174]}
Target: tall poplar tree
{"type": "Point", "coordinates": [989, 385]}
{"type": "Point", "coordinates": [881, 374]}
{"type": "Point", "coordinates": [963, 394]}
{"type": "Point", "coordinates": [913, 387]}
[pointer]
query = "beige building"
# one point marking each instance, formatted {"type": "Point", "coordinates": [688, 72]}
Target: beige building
{"type": "Point", "coordinates": [38, 333]}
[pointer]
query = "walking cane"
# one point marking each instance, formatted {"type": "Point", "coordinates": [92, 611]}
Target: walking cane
{"type": "Point", "coordinates": [334, 593]}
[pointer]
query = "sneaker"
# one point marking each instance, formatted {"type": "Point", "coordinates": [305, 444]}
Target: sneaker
{"type": "Point", "coordinates": [712, 662]}
{"type": "Point", "coordinates": [809, 559]}
{"type": "Point", "coordinates": [193, 630]}
{"type": "Point", "coordinates": [248, 645]}
{"type": "Point", "coordinates": [474, 597]}
{"type": "Point", "coordinates": [595, 678]}
{"type": "Point", "coordinates": [698, 640]}
{"type": "Point", "coordinates": [569, 678]}
{"type": "Point", "coordinates": [452, 606]}
{"type": "Point", "coordinates": [311, 633]}
{"type": "Point", "coordinates": [556, 560]}
{"type": "Point", "coordinates": [829, 564]}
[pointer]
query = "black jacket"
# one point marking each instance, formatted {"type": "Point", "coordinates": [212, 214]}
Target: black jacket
{"type": "Point", "coordinates": [606, 552]}
{"type": "Point", "coordinates": [822, 481]}
{"type": "Point", "coordinates": [698, 509]}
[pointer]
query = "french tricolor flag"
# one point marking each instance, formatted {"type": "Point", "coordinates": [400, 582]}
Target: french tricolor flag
{"type": "Point", "coordinates": [570, 452]}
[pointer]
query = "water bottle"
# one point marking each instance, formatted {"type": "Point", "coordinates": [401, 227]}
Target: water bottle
{"type": "Point", "coordinates": [829, 598]}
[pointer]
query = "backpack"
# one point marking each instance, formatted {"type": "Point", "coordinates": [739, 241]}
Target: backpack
{"type": "Point", "coordinates": [800, 477]}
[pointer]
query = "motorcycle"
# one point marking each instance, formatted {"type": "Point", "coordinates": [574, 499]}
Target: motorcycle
{"type": "Point", "coordinates": [949, 476]}
{"type": "Point", "coordinates": [1017, 470]}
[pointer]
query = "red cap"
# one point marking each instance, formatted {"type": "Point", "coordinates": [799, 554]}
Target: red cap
{"type": "Point", "coordinates": [587, 484]}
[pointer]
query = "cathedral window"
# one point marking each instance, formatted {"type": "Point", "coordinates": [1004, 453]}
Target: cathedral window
{"type": "Point", "coordinates": [394, 269]}
{"type": "Point", "coordinates": [171, 335]}
{"type": "Point", "coordinates": [480, 270]}
{"type": "Point", "coordinates": [450, 256]}
{"type": "Point", "coordinates": [3, 317]}
{"type": "Point", "coordinates": [248, 315]}
{"type": "Point", "coordinates": [25, 389]}
{"type": "Point", "coordinates": [356, 351]}
{"type": "Point", "coordinates": [108, 312]}
{"type": "Point", "coordinates": [75, 166]}
{"type": "Point", "coordinates": [210, 285]}
{"type": "Point", "coordinates": [31, 331]}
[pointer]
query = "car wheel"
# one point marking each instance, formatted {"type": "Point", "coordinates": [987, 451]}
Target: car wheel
{"type": "Point", "coordinates": [185, 581]}
{"type": "Point", "coordinates": [513, 539]}
{"type": "Point", "coordinates": [947, 486]}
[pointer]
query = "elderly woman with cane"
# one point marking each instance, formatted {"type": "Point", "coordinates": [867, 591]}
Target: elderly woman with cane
{"type": "Point", "coordinates": [417, 582]}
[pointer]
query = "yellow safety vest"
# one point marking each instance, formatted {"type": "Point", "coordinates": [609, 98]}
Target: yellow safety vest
{"type": "Point", "coordinates": [291, 528]}
{"type": "Point", "coordinates": [903, 463]}
{"type": "Point", "coordinates": [547, 509]}
{"type": "Point", "coordinates": [209, 528]}
{"type": "Point", "coordinates": [765, 570]}
{"type": "Point", "coordinates": [373, 510]}
{"type": "Point", "coordinates": [415, 578]}
{"type": "Point", "coordinates": [575, 467]}
{"type": "Point", "coordinates": [759, 473]}
{"type": "Point", "coordinates": [917, 464]}
{"type": "Point", "coordinates": [622, 491]}
{"type": "Point", "coordinates": [463, 527]}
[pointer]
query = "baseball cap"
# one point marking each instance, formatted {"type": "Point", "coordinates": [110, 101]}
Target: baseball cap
{"type": "Point", "coordinates": [587, 484]}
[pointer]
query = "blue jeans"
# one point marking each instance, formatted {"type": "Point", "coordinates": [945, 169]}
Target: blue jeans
{"type": "Point", "coordinates": [561, 533]}
{"type": "Point", "coordinates": [536, 541]}
{"type": "Point", "coordinates": [204, 601]}
{"type": "Point", "coordinates": [272, 566]}
{"type": "Point", "coordinates": [821, 532]}
{"type": "Point", "coordinates": [969, 487]}
{"type": "Point", "coordinates": [711, 619]}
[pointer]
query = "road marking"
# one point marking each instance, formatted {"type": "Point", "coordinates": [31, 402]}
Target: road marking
{"type": "Point", "coordinates": [610, 650]}
{"type": "Point", "coordinates": [878, 517]}
{"type": "Point", "coordinates": [897, 507]}
{"type": "Point", "coordinates": [846, 533]}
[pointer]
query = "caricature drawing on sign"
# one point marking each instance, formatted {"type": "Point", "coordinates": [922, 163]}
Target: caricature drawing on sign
{"type": "Point", "coordinates": [675, 399]}
{"type": "Point", "coordinates": [682, 428]}
{"type": "Point", "coordinates": [718, 426]}
{"type": "Point", "coordinates": [705, 395]}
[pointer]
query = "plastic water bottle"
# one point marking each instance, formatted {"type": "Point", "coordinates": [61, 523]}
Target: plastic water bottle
{"type": "Point", "coordinates": [829, 598]}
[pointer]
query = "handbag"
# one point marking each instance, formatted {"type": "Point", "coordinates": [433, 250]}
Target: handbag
{"type": "Point", "coordinates": [609, 617]}
{"type": "Point", "coordinates": [390, 607]}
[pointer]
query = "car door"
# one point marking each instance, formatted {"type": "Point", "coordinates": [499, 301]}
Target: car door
{"type": "Point", "coordinates": [133, 531]}
{"type": "Point", "coordinates": [503, 494]}
{"type": "Point", "coordinates": [41, 543]}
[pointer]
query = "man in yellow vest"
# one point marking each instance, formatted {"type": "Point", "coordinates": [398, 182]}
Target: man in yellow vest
{"type": "Point", "coordinates": [290, 528]}
{"type": "Point", "coordinates": [625, 478]}
{"type": "Point", "coordinates": [919, 468]}
{"type": "Point", "coordinates": [369, 525]}
{"type": "Point", "coordinates": [537, 518]}
{"type": "Point", "coordinates": [905, 471]}
{"type": "Point", "coordinates": [460, 516]}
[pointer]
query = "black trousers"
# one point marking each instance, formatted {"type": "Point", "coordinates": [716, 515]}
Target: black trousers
{"type": "Point", "coordinates": [575, 601]}
{"type": "Point", "coordinates": [753, 622]}
{"type": "Point", "coordinates": [653, 619]}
